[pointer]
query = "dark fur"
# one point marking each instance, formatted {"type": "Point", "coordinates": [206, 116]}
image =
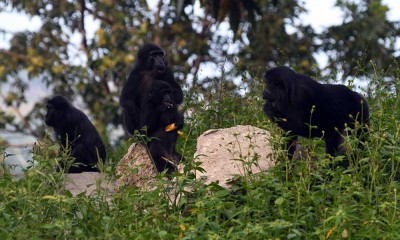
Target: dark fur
{"type": "Point", "coordinates": [75, 130]}
{"type": "Point", "coordinates": [159, 111]}
{"type": "Point", "coordinates": [291, 96]}
{"type": "Point", "coordinates": [150, 66]}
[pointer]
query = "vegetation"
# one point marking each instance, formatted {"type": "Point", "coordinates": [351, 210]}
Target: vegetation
{"type": "Point", "coordinates": [291, 201]}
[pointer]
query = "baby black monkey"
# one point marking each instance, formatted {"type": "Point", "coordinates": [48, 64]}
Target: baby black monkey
{"type": "Point", "coordinates": [160, 115]}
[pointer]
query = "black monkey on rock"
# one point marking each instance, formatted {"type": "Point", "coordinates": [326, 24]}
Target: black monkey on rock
{"type": "Point", "coordinates": [74, 130]}
{"type": "Point", "coordinates": [151, 66]}
{"type": "Point", "coordinates": [160, 115]}
{"type": "Point", "coordinates": [307, 108]}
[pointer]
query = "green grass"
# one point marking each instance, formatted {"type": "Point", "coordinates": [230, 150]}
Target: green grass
{"type": "Point", "coordinates": [291, 201]}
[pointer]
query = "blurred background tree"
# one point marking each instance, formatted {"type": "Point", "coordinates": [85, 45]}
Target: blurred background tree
{"type": "Point", "coordinates": [241, 37]}
{"type": "Point", "coordinates": [365, 42]}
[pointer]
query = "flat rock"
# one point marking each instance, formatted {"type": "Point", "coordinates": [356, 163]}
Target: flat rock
{"type": "Point", "coordinates": [87, 182]}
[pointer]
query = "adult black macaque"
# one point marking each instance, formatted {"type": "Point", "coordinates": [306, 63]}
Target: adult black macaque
{"type": "Point", "coordinates": [151, 66]}
{"type": "Point", "coordinates": [74, 130]}
{"type": "Point", "coordinates": [304, 107]}
{"type": "Point", "coordinates": [160, 115]}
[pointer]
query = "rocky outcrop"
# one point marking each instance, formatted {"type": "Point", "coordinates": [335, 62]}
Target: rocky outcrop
{"type": "Point", "coordinates": [223, 153]}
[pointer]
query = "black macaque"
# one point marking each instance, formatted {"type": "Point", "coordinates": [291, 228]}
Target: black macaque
{"type": "Point", "coordinates": [160, 115]}
{"type": "Point", "coordinates": [74, 130]}
{"type": "Point", "coordinates": [304, 107]}
{"type": "Point", "coordinates": [151, 66]}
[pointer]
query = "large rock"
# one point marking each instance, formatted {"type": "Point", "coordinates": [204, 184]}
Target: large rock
{"type": "Point", "coordinates": [239, 150]}
{"type": "Point", "coordinates": [136, 168]}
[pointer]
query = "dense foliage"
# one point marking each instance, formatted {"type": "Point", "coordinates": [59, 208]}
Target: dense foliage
{"type": "Point", "coordinates": [291, 201]}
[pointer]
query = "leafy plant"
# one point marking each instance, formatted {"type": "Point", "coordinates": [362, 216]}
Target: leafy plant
{"type": "Point", "coordinates": [303, 199]}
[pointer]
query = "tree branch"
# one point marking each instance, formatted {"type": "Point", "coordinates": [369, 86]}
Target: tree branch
{"type": "Point", "coordinates": [18, 113]}
{"type": "Point", "coordinates": [14, 54]}
{"type": "Point", "coordinates": [205, 32]}
{"type": "Point", "coordinates": [157, 39]}
{"type": "Point", "coordinates": [101, 18]}
{"type": "Point", "coordinates": [82, 8]}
